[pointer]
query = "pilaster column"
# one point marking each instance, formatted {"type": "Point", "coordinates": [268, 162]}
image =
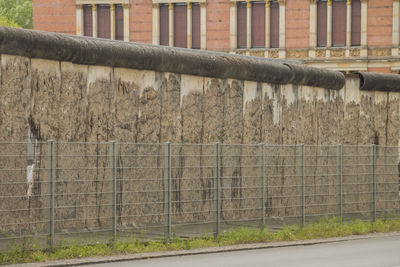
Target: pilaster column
{"type": "Point", "coordinates": [267, 24]}
{"type": "Point", "coordinates": [233, 25]}
{"type": "Point", "coordinates": [348, 27]}
{"type": "Point", "coordinates": [126, 22]}
{"type": "Point", "coordinates": [112, 21]}
{"type": "Point", "coordinates": [203, 25]}
{"type": "Point", "coordinates": [156, 24]}
{"type": "Point", "coordinates": [364, 30]}
{"type": "Point", "coordinates": [348, 23]}
{"type": "Point", "coordinates": [329, 27]}
{"type": "Point", "coordinates": [395, 29]}
{"type": "Point", "coordinates": [313, 28]}
{"type": "Point", "coordinates": [189, 25]}
{"type": "Point", "coordinates": [94, 16]}
{"type": "Point", "coordinates": [79, 20]}
{"type": "Point", "coordinates": [248, 21]}
{"type": "Point", "coordinates": [171, 24]}
{"type": "Point", "coordinates": [282, 28]}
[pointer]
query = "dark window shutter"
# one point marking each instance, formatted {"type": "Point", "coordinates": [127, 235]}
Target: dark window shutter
{"type": "Point", "coordinates": [180, 25]}
{"type": "Point", "coordinates": [322, 21]}
{"type": "Point", "coordinates": [356, 22]}
{"type": "Point", "coordinates": [258, 24]}
{"type": "Point", "coordinates": [241, 25]}
{"type": "Point", "coordinates": [164, 25]}
{"type": "Point", "coordinates": [196, 26]}
{"type": "Point", "coordinates": [339, 23]}
{"type": "Point", "coordinates": [87, 20]}
{"type": "Point", "coordinates": [274, 31]}
{"type": "Point", "coordinates": [103, 22]}
{"type": "Point", "coordinates": [119, 22]}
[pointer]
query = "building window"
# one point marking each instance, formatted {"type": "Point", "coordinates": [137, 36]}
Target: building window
{"type": "Point", "coordinates": [181, 28]}
{"type": "Point", "coordinates": [345, 25]}
{"type": "Point", "coordinates": [339, 23]}
{"type": "Point", "coordinates": [274, 22]}
{"type": "Point", "coordinates": [164, 24]}
{"type": "Point", "coordinates": [180, 25]}
{"type": "Point", "coordinates": [87, 20]}
{"type": "Point", "coordinates": [258, 24]}
{"type": "Point", "coordinates": [258, 17]}
{"type": "Point", "coordinates": [241, 25]}
{"type": "Point", "coordinates": [321, 23]}
{"type": "Point", "coordinates": [196, 27]}
{"type": "Point", "coordinates": [355, 22]}
{"type": "Point", "coordinates": [119, 22]}
{"type": "Point", "coordinates": [105, 21]}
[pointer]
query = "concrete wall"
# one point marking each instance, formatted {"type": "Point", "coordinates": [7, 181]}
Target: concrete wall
{"type": "Point", "coordinates": [58, 99]}
{"type": "Point", "coordinates": [70, 102]}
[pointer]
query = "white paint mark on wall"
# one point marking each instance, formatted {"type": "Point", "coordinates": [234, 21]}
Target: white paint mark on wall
{"type": "Point", "coordinates": [321, 94]}
{"type": "Point", "coordinates": [45, 65]}
{"type": "Point", "coordinates": [288, 91]}
{"type": "Point", "coordinates": [267, 90]}
{"type": "Point", "coordinates": [250, 93]}
{"type": "Point", "coordinates": [369, 95]}
{"type": "Point", "coordinates": [29, 178]}
{"type": "Point", "coordinates": [276, 104]}
{"type": "Point", "coordinates": [140, 78]}
{"type": "Point", "coordinates": [380, 97]}
{"type": "Point", "coordinates": [191, 84]}
{"type": "Point", "coordinates": [273, 93]}
{"type": "Point", "coordinates": [352, 94]}
{"type": "Point", "coordinates": [98, 73]}
{"type": "Point", "coordinates": [307, 93]}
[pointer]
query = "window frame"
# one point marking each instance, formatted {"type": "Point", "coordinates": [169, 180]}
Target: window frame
{"type": "Point", "coordinates": [344, 33]}
{"type": "Point", "coordinates": [325, 25]}
{"type": "Point", "coordinates": [353, 16]}
{"type": "Point", "coordinates": [261, 33]}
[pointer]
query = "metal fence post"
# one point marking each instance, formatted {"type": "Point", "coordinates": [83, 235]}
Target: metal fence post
{"type": "Point", "coordinates": [261, 177]}
{"type": "Point", "coordinates": [339, 182]}
{"type": "Point", "coordinates": [373, 182]}
{"type": "Point", "coordinates": [167, 188]}
{"type": "Point", "coordinates": [113, 186]}
{"type": "Point", "coordinates": [51, 187]}
{"type": "Point", "coordinates": [217, 180]}
{"type": "Point", "coordinates": [302, 183]}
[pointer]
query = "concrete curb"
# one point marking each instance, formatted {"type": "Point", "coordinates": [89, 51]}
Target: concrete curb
{"type": "Point", "coordinates": [152, 255]}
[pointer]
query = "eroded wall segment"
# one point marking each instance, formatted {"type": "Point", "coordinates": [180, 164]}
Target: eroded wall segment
{"type": "Point", "coordinates": [147, 98]}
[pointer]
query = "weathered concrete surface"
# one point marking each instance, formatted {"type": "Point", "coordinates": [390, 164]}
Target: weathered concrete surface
{"type": "Point", "coordinates": [71, 102]}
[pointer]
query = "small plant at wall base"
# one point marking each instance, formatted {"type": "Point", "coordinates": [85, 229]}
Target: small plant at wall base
{"type": "Point", "coordinates": [325, 228]}
{"type": "Point", "coordinates": [16, 13]}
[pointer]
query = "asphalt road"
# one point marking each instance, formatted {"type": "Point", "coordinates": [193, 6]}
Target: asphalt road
{"type": "Point", "coordinates": [383, 251]}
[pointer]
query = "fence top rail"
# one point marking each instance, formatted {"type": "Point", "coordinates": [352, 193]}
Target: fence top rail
{"type": "Point", "coordinates": [202, 144]}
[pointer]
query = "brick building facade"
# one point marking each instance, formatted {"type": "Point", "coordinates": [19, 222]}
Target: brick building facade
{"type": "Point", "coordinates": [344, 35]}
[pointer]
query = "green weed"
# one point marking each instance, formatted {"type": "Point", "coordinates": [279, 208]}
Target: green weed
{"type": "Point", "coordinates": [324, 228]}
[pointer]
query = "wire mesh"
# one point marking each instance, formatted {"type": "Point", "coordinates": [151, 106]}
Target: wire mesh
{"type": "Point", "coordinates": [93, 192]}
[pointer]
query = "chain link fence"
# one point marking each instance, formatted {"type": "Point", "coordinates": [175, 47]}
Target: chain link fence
{"type": "Point", "coordinates": [57, 193]}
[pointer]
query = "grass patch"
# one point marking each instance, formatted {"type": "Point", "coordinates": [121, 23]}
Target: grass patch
{"type": "Point", "coordinates": [324, 228]}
